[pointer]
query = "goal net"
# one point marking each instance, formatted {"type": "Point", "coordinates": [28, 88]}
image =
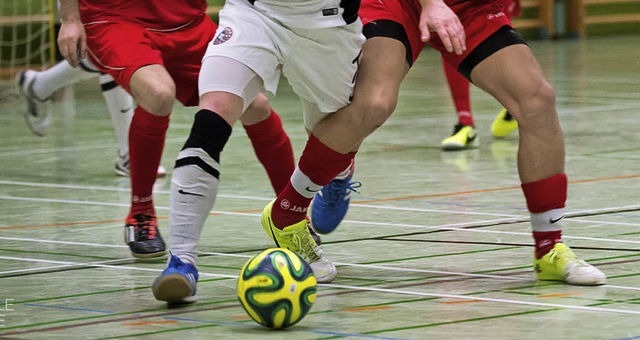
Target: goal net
{"type": "Point", "coordinates": [27, 35]}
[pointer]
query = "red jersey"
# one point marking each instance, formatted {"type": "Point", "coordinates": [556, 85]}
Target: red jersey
{"type": "Point", "coordinates": [154, 14]}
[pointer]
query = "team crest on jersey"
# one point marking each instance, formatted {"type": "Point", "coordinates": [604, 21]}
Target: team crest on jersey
{"type": "Point", "coordinates": [223, 36]}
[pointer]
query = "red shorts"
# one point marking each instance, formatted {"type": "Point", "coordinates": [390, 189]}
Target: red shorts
{"type": "Point", "coordinates": [403, 12]}
{"type": "Point", "coordinates": [480, 19]}
{"type": "Point", "coordinates": [121, 48]}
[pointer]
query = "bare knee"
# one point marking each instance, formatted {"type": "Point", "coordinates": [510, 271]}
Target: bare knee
{"type": "Point", "coordinates": [258, 110]}
{"type": "Point", "coordinates": [537, 108]}
{"type": "Point", "coordinates": [371, 113]}
{"type": "Point", "coordinates": [158, 98]}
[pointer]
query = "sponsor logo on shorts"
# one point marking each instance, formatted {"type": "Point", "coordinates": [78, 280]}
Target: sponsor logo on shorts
{"type": "Point", "coordinates": [495, 15]}
{"type": "Point", "coordinates": [330, 11]}
{"type": "Point", "coordinates": [223, 36]}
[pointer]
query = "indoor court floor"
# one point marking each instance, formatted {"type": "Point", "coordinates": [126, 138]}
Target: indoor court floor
{"type": "Point", "coordinates": [436, 245]}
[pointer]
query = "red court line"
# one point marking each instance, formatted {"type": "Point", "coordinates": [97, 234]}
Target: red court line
{"type": "Point", "coordinates": [478, 191]}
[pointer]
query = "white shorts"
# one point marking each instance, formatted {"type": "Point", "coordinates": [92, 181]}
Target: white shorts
{"type": "Point", "coordinates": [320, 64]}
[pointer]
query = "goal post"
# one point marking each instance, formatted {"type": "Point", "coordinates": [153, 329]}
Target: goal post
{"type": "Point", "coordinates": [27, 35]}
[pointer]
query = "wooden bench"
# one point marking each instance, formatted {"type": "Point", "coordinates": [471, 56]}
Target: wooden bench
{"type": "Point", "coordinates": [542, 21]}
{"type": "Point", "coordinates": [578, 18]}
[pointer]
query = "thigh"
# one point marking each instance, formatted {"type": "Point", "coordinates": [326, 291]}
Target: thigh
{"type": "Point", "coordinates": [511, 75]}
{"type": "Point", "coordinates": [222, 74]}
{"type": "Point", "coordinates": [480, 21]}
{"type": "Point", "coordinates": [120, 49]}
{"type": "Point", "coordinates": [248, 37]}
{"type": "Point", "coordinates": [321, 64]}
{"type": "Point", "coordinates": [182, 53]}
{"type": "Point", "coordinates": [396, 19]}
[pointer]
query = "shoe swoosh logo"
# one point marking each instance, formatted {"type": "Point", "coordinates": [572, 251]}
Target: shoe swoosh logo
{"type": "Point", "coordinates": [311, 190]}
{"type": "Point", "coordinates": [125, 110]}
{"type": "Point", "coordinates": [189, 193]}
{"type": "Point", "coordinates": [552, 221]}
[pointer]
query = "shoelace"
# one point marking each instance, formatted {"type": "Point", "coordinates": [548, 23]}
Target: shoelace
{"type": "Point", "coordinates": [338, 190]}
{"type": "Point", "coordinates": [144, 227]}
{"type": "Point", "coordinates": [565, 254]}
{"type": "Point", "coordinates": [303, 240]}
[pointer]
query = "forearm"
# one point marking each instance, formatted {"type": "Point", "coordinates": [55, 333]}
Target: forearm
{"type": "Point", "coordinates": [69, 12]}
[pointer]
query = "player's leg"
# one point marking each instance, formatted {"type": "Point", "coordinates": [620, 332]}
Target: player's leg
{"type": "Point", "coordinates": [125, 52]}
{"type": "Point", "coordinates": [37, 88]}
{"type": "Point", "coordinates": [271, 145]}
{"type": "Point", "coordinates": [195, 178]}
{"type": "Point", "coordinates": [380, 73]}
{"type": "Point", "coordinates": [120, 107]}
{"type": "Point", "coordinates": [464, 134]}
{"type": "Point", "coordinates": [270, 142]}
{"type": "Point", "coordinates": [153, 90]}
{"type": "Point", "coordinates": [335, 139]}
{"type": "Point", "coordinates": [388, 52]}
{"type": "Point", "coordinates": [513, 76]}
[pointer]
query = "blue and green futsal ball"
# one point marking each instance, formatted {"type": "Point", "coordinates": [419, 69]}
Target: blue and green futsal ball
{"type": "Point", "coordinates": [276, 288]}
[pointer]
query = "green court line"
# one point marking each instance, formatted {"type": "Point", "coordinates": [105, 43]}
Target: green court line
{"type": "Point", "coordinates": [484, 318]}
{"type": "Point", "coordinates": [439, 255]}
{"type": "Point", "coordinates": [116, 314]}
{"type": "Point", "coordinates": [235, 268]}
{"type": "Point", "coordinates": [530, 266]}
{"type": "Point", "coordinates": [627, 234]}
{"type": "Point", "coordinates": [103, 292]}
{"type": "Point", "coordinates": [476, 319]}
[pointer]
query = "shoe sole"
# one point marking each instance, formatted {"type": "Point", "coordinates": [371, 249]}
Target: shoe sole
{"type": "Point", "coordinates": [173, 289]}
{"type": "Point", "coordinates": [149, 255]}
{"type": "Point", "coordinates": [458, 147]}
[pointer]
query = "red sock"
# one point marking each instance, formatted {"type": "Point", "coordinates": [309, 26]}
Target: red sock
{"type": "Point", "coordinates": [459, 87]}
{"type": "Point", "coordinates": [320, 164]}
{"type": "Point", "coordinates": [545, 241]}
{"type": "Point", "coordinates": [273, 148]}
{"type": "Point", "coordinates": [544, 195]}
{"type": "Point", "coordinates": [146, 141]}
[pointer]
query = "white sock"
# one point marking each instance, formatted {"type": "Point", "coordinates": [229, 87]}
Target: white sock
{"type": "Point", "coordinates": [303, 185]}
{"type": "Point", "coordinates": [193, 193]}
{"type": "Point", "coordinates": [550, 220]}
{"type": "Point", "coordinates": [58, 76]}
{"type": "Point", "coordinates": [120, 107]}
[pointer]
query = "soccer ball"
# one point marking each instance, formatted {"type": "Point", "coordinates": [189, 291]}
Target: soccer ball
{"type": "Point", "coordinates": [276, 288]}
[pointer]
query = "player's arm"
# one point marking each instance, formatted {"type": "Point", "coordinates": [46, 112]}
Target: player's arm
{"type": "Point", "coordinates": [72, 39]}
{"type": "Point", "coordinates": [437, 17]}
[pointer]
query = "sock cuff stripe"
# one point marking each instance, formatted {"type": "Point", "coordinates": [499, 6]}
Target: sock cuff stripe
{"type": "Point", "coordinates": [108, 86]}
{"type": "Point", "coordinates": [197, 161]}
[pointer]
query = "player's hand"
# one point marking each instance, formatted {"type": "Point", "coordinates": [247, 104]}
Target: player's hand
{"type": "Point", "coordinates": [72, 42]}
{"type": "Point", "coordinates": [439, 18]}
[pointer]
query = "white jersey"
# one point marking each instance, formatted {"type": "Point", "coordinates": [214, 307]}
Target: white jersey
{"type": "Point", "coordinates": [309, 13]}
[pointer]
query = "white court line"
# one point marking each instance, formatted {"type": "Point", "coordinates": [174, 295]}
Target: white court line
{"type": "Point", "coordinates": [449, 227]}
{"type": "Point", "coordinates": [100, 265]}
{"type": "Point", "coordinates": [474, 297]}
{"type": "Point", "coordinates": [353, 204]}
{"type": "Point", "coordinates": [366, 266]}
{"type": "Point", "coordinates": [514, 218]}
{"type": "Point", "coordinates": [360, 288]}
{"type": "Point", "coordinates": [112, 189]}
